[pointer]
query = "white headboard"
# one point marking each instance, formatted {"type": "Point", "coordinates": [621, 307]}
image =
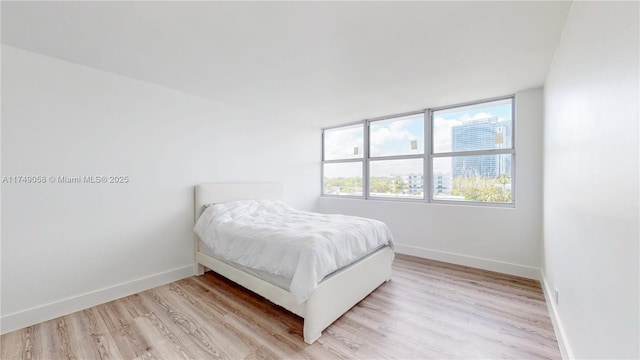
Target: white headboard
{"type": "Point", "coordinates": [221, 192]}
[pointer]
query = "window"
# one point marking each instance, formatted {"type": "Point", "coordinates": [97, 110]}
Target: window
{"type": "Point", "coordinates": [343, 160]}
{"type": "Point", "coordinates": [396, 158]}
{"type": "Point", "coordinates": [473, 152]}
{"type": "Point", "coordinates": [470, 156]}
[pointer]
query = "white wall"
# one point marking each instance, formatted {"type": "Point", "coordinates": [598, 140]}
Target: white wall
{"type": "Point", "coordinates": [500, 239]}
{"type": "Point", "coordinates": [591, 226]}
{"type": "Point", "coordinates": [69, 246]}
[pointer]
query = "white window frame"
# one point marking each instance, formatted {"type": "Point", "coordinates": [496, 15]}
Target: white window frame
{"type": "Point", "coordinates": [511, 151]}
{"type": "Point", "coordinates": [428, 156]}
{"type": "Point", "coordinates": [422, 156]}
{"type": "Point", "coordinates": [365, 153]}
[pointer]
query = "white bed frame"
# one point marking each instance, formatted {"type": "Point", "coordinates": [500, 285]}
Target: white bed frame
{"type": "Point", "coordinates": [334, 296]}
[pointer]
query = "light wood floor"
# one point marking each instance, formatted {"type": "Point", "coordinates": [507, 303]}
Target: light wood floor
{"type": "Point", "coordinates": [428, 310]}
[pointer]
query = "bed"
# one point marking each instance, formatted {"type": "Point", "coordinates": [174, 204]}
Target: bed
{"type": "Point", "coordinates": [334, 295]}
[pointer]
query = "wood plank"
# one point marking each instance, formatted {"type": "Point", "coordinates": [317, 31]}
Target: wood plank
{"type": "Point", "coordinates": [130, 341]}
{"type": "Point", "coordinates": [430, 309]}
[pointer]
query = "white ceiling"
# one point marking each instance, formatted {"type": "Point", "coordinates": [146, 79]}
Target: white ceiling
{"type": "Point", "coordinates": [320, 62]}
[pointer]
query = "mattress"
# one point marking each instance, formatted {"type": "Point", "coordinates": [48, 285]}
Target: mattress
{"type": "Point", "coordinates": [279, 281]}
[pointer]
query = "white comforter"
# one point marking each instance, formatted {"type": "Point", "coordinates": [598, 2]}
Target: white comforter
{"type": "Point", "coordinates": [273, 237]}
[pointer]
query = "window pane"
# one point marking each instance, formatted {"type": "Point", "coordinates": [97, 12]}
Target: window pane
{"type": "Point", "coordinates": [397, 136]}
{"type": "Point", "coordinates": [482, 126]}
{"type": "Point", "coordinates": [344, 142]}
{"type": "Point", "coordinates": [396, 178]}
{"type": "Point", "coordinates": [342, 179]}
{"type": "Point", "coordinates": [484, 178]}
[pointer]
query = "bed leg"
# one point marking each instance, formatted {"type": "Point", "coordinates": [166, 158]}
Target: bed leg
{"type": "Point", "coordinates": [389, 279]}
{"type": "Point", "coordinates": [199, 269]}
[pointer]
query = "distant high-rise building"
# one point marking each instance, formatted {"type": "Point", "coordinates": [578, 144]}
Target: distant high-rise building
{"type": "Point", "coordinates": [481, 134]}
{"type": "Point", "coordinates": [441, 183]}
{"type": "Point", "coordinates": [414, 181]}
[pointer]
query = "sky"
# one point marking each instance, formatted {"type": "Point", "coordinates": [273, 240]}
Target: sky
{"type": "Point", "coordinates": [397, 136]}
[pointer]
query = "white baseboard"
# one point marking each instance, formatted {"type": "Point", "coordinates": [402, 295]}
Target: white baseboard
{"type": "Point", "coordinates": [38, 314]}
{"type": "Point", "coordinates": [471, 261]}
{"type": "Point", "coordinates": [561, 336]}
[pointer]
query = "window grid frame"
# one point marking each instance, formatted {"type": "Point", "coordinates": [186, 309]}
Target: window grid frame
{"type": "Point", "coordinates": [362, 160]}
{"type": "Point", "coordinates": [510, 151]}
{"type": "Point", "coordinates": [396, 157]}
{"type": "Point", "coordinates": [427, 156]}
